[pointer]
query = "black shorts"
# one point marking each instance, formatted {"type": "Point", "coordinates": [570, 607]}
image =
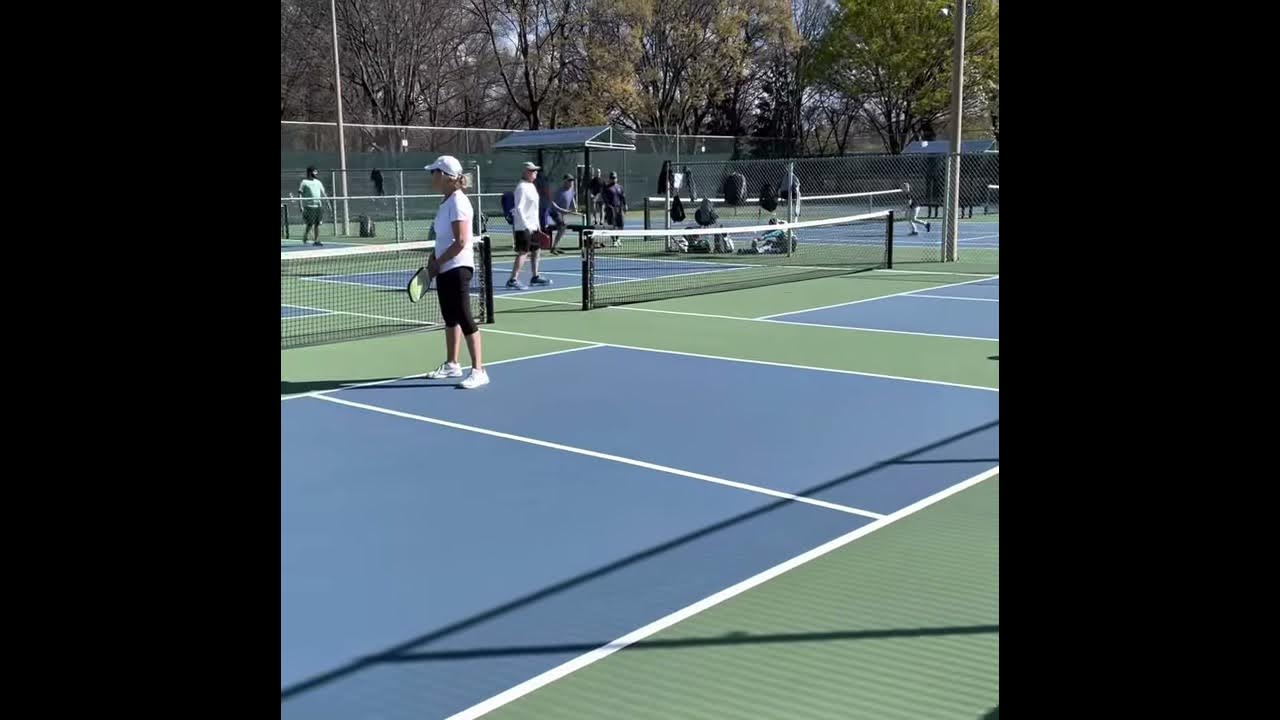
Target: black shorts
{"type": "Point", "coordinates": [454, 290]}
{"type": "Point", "coordinates": [524, 241]}
{"type": "Point", "coordinates": [312, 215]}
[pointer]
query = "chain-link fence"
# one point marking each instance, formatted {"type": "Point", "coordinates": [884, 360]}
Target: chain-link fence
{"type": "Point", "coordinates": [398, 154]}
{"type": "Point", "coordinates": [403, 209]}
{"type": "Point", "coordinates": [975, 246]}
{"type": "Point", "coordinates": [380, 219]}
{"type": "Point", "coordinates": [385, 161]}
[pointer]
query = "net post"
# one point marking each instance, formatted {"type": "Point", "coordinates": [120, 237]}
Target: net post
{"type": "Point", "coordinates": [666, 210]}
{"type": "Point", "coordinates": [588, 262]}
{"type": "Point", "coordinates": [791, 205]}
{"type": "Point", "coordinates": [951, 210]}
{"type": "Point", "coordinates": [333, 183]}
{"type": "Point", "coordinates": [648, 222]}
{"type": "Point", "coordinates": [400, 211]}
{"type": "Point", "coordinates": [476, 221]}
{"type": "Point", "coordinates": [889, 243]}
{"type": "Point", "coordinates": [486, 262]}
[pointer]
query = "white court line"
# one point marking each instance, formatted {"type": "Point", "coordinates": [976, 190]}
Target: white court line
{"type": "Point", "coordinates": [719, 267]}
{"type": "Point", "coordinates": [578, 286]}
{"type": "Point", "coordinates": [770, 363]}
{"type": "Point", "coordinates": [315, 312]}
{"type": "Point", "coordinates": [883, 330]}
{"type": "Point", "coordinates": [315, 393]}
{"type": "Point", "coordinates": [985, 276]}
{"type": "Point", "coordinates": [579, 274]}
{"type": "Point", "coordinates": [870, 299]}
{"type": "Point", "coordinates": [536, 300]}
{"type": "Point", "coordinates": [682, 261]}
{"type": "Point", "coordinates": [359, 284]}
{"type": "Point", "coordinates": [806, 324]}
{"type": "Point", "coordinates": [606, 456]}
{"type": "Point", "coordinates": [619, 278]}
{"type": "Point", "coordinates": [424, 323]}
{"type": "Point", "coordinates": [953, 297]}
{"type": "Point", "coordinates": [635, 636]}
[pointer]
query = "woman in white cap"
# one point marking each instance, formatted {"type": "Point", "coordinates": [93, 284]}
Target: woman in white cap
{"type": "Point", "coordinates": [452, 264]}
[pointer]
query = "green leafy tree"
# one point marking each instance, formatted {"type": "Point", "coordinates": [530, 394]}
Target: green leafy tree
{"type": "Point", "coordinates": [895, 56]}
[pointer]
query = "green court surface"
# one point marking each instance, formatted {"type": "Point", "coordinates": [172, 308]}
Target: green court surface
{"type": "Point", "coordinates": [901, 621]}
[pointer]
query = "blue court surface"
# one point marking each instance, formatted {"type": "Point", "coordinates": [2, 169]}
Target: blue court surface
{"type": "Point", "coordinates": [426, 532]}
{"type": "Point", "coordinates": [973, 234]}
{"type": "Point", "coordinates": [968, 310]}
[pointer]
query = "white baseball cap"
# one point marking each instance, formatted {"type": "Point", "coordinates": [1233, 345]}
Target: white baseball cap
{"type": "Point", "coordinates": [446, 164]}
{"type": "Point", "coordinates": [531, 166]}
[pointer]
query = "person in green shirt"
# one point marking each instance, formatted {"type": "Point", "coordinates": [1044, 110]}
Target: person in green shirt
{"type": "Point", "coordinates": [312, 192]}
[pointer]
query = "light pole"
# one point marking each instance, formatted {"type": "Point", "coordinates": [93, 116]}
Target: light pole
{"type": "Point", "coordinates": [951, 213]}
{"type": "Point", "coordinates": [342, 140]}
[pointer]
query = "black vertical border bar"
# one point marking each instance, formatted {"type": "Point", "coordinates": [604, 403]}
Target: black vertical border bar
{"type": "Point", "coordinates": [889, 245]}
{"type": "Point", "coordinates": [588, 264]}
{"type": "Point", "coordinates": [486, 261]}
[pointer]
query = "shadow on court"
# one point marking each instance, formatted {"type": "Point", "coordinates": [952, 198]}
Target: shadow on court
{"type": "Point", "coordinates": [411, 648]}
{"type": "Point", "coordinates": [292, 388]}
{"type": "Point", "coordinates": [529, 307]}
{"type": "Point", "coordinates": [729, 640]}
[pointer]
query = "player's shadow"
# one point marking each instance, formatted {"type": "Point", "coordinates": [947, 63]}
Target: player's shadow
{"type": "Point", "coordinates": [291, 388]}
{"type": "Point", "coordinates": [727, 640]}
{"type": "Point", "coordinates": [532, 308]}
{"type": "Point", "coordinates": [404, 651]}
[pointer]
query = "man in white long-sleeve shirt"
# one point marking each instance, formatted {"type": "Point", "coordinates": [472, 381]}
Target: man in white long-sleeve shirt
{"type": "Point", "coordinates": [525, 223]}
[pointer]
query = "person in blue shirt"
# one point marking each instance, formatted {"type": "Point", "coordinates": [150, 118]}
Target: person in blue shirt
{"type": "Point", "coordinates": [563, 202]}
{"type": "Point", "coordinates": [615, 204]}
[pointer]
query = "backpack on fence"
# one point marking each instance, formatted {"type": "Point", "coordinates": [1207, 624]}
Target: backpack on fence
{"type": "Point", "coordinates": [768, 197]}
{"type": "Point", "coordinates": [509, 207]}
{"type": "Point", "coordinates": [735, 190]}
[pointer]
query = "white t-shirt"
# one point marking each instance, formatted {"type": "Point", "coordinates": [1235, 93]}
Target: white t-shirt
{"type": "Point", "coordinates": [312, 191]}
{"type": "Point", "coordinates": [526, 214]}
{"type": "Point", "coordinates": [455, 207]}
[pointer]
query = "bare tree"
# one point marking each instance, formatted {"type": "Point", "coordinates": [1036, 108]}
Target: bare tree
{"type": "Point", "coordinates": [817, 73]}
{"type": "Point", "coordinates": [528, 38]}
{"type": "Point", "coordinates": [306, 63]}
{"type": "Point", "coordinates": [386, 47]}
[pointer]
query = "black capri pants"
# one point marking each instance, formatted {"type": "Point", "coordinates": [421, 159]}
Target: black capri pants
{"type": "Point", "coordinates": [454, 290]}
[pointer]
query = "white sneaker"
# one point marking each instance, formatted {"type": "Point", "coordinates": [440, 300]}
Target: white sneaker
{"type": "Point", "coordinates": [446, 370]}
{"type": "Point", "coordinates": [475, 379]}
